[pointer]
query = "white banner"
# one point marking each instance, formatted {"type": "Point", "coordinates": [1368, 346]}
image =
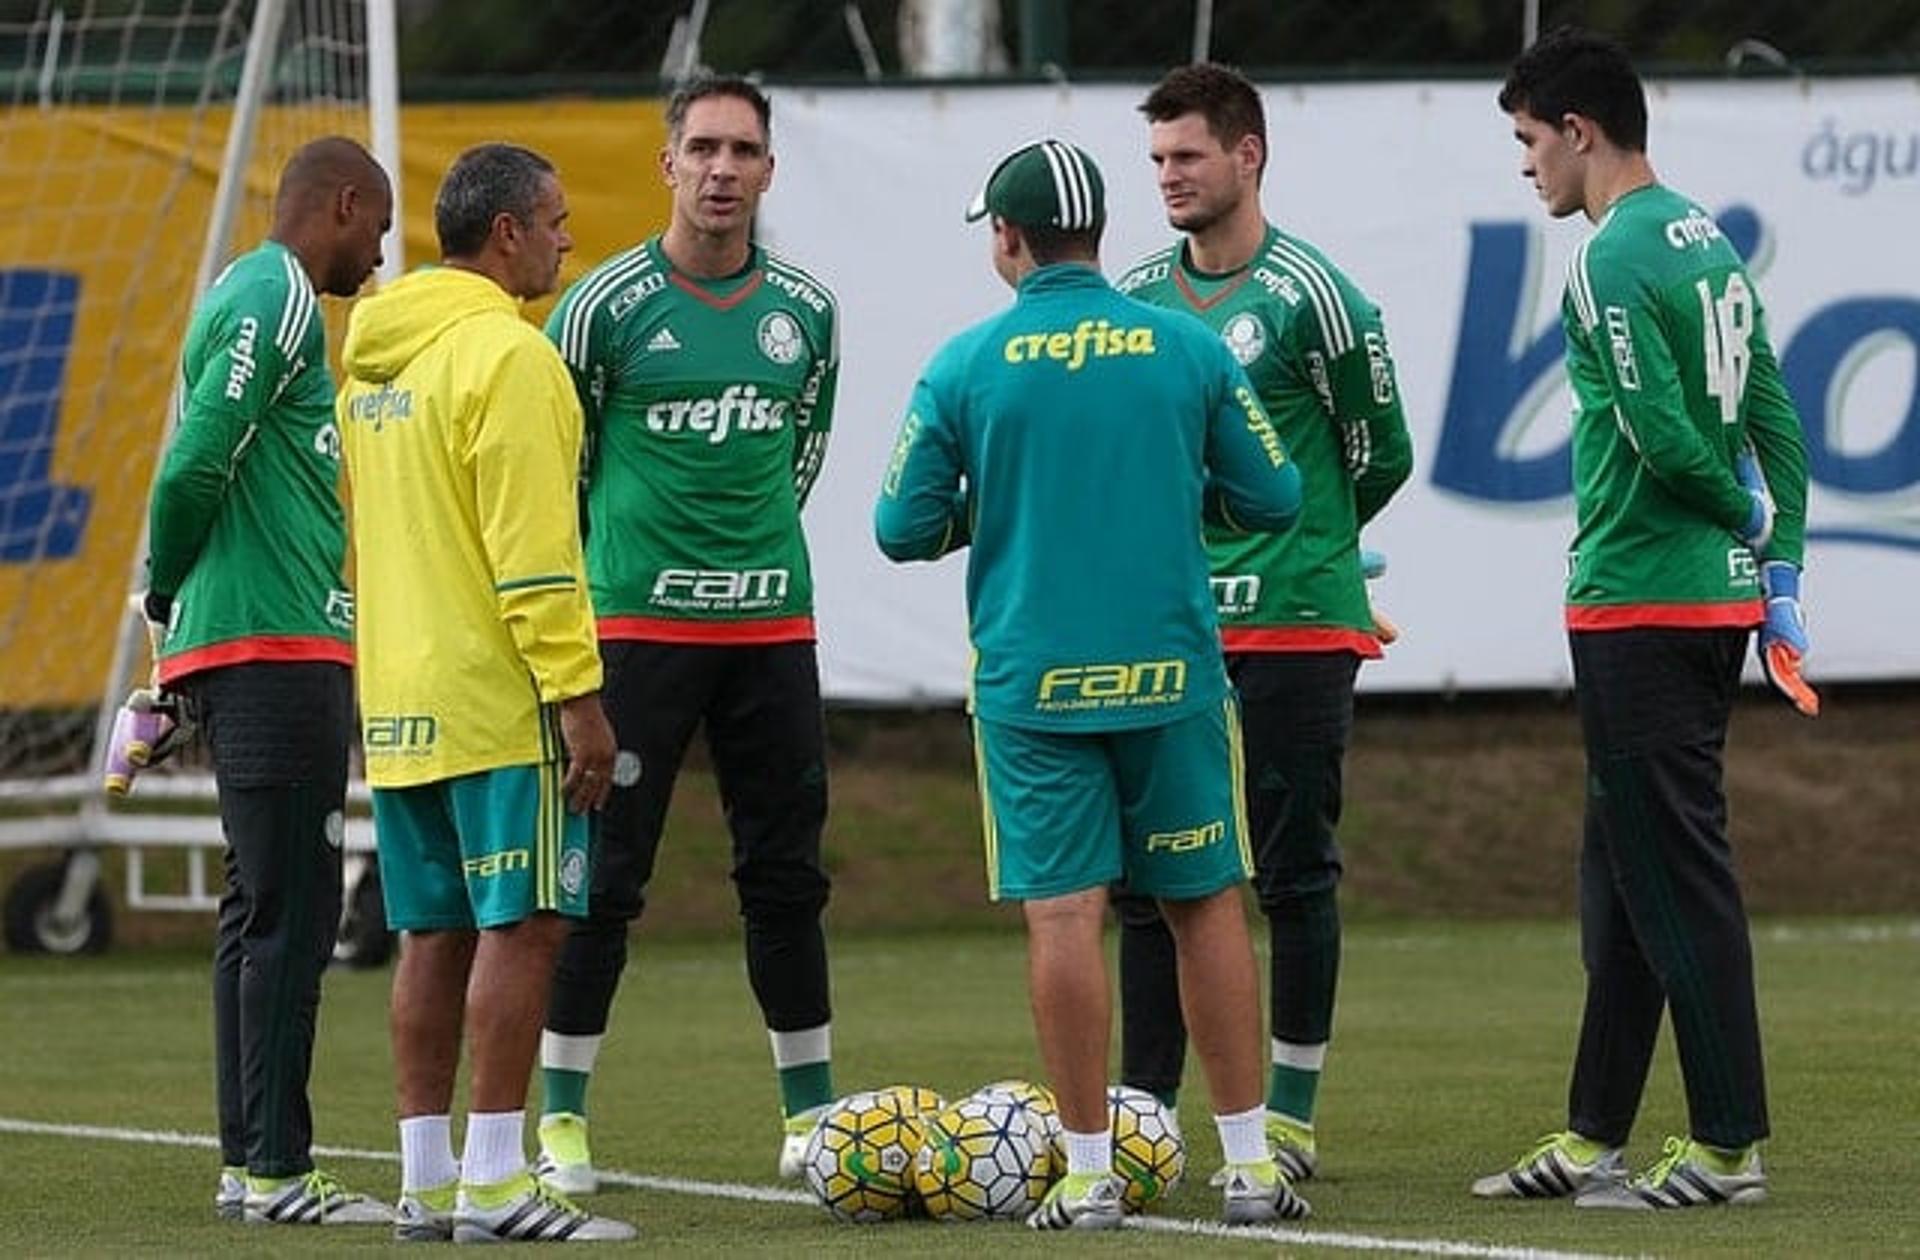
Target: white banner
{"type": "Point", "coordinates": [1414, 189]}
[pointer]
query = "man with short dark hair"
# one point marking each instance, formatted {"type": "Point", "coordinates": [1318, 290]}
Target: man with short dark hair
{"type": "Point", "coordinates": [247, 544]}
{"type": "Point", "coordinates": [479, 683]}
{"type": "Point", "coordinates": [1690, 491]}
{"type": "Point", "coordinates": [706, 365]}
{"type": "Point", "coordinates": [1294, 614]}
{"type": "Point", "coordinates": [1075, 442]}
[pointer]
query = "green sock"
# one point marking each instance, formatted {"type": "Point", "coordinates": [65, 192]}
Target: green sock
{"type": "Point", "coordinates": [805, 1086]}
{"type": "Point", "coordinates": [1168, 1098]}
{"type": "Point", "coordinates": [563, 1090]}
{"type": "Point", "coordinates": [1291, 1091]}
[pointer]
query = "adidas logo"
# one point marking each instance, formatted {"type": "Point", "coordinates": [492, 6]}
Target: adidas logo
{"type": "Point", "coordinates": [663, 341]}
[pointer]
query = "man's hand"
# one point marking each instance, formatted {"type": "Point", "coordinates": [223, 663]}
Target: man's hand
{"type": "Point", "coordinates": [590, 752]}
{"type": "Point", "coordinates": [1759, 525]}
{"type": "Point", "coordinates": [1782, 645]}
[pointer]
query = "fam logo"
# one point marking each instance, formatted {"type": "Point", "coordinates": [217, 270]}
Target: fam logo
{"type": "Point", "coordinates": [779, 338]}
{"type": "Point", "coordinates": [1852, 367]}
{"type": "Point", "coordinates": [1245, 337]}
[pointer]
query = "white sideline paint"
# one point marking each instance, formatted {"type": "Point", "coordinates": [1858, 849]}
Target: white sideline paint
{"type": "Point", "coordinates": [768, 1194]}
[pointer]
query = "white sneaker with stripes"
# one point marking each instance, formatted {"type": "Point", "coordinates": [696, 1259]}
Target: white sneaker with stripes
{"type": "Point", "coordinates": [1558, 1165]}
{"type": "Point", "coordinates": [1688, 1175]}
{"type": "Point", "coordinates": [314, 1198]}
{"type": "Point", "coordinates": [525, 1209]}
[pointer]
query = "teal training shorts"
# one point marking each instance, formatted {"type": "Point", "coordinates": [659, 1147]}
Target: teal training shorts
{"type": "Point", "coordinates": [481, 850]}
{"type": "Point", "coordinates": [1161, 805]}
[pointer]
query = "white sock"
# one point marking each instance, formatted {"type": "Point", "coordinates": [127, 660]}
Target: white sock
{"type": "Point", "coordinates": [1243, 1136]}
{"type": "Point", "coordinates": [807, 1045]}
{"type": "Point", "coordinates": [496, 1147]}
{"type": "Point", "coordinates": [1089, 1152]}
{"type": "Point", "coordinates": [569, 1053]}
{"type": "Point", "coordinates": [426, 1153]}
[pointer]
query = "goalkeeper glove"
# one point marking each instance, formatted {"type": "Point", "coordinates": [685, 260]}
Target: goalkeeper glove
{"type": "Point", "coordinates": [1758, 529]}
{"type": "Point", "coordinates": [150, 727]}
{"type": "Point", "coordinates": [1373, 564]}
{"type": "Point", "coordinates": [1782, 645]}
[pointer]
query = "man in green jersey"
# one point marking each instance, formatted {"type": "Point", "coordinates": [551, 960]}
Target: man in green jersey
{"type": "Point", "coordinates": [1294, 614]}
{"type": "Point", "coordinates": [1075, 442]}
{"type": "Point", "coordinates": [247, 544]}
{"type": "Point", "coordinates": [1690, 491]}
{"type": "Point", "coordinates": [706, 365]}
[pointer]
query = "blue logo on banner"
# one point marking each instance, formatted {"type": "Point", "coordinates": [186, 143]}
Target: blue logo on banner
{"type": "Point", "coordinates": [1501, 380]}
{"type": "Point", "coordinates": [38, 518]}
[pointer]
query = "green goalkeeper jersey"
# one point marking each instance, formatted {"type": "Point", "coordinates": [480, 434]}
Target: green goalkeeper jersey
{"type": "Point", "coordinates": [1671, 369]}
{"type": "Point", "coordinates": [1076, 441]}
{"type": "Point", "coordinates": [707, 405]}
{"type": "Point", "coordinates": [1315, 349]}
{"type": "Point", "coordinates": [246, 530]}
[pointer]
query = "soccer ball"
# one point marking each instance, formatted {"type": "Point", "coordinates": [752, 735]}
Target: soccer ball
{"type": "Point", "coordinates": [1043, 1110]}
{"type": "Point", "coordinates": [1148, 1151]}
{"type": "Point", "coordinates": [983, 1157]}
{"type": "Point", "coordinates": [859, 1159]}
{"type": "Point", "coordinates": [917, 1099]}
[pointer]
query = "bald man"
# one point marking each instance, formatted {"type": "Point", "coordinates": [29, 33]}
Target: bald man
{"type": "Point", "coordinates": [254, 635]}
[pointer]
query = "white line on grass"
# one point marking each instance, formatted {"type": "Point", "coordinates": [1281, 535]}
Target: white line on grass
{"type": "Point", "coordinates": [767, 1194]}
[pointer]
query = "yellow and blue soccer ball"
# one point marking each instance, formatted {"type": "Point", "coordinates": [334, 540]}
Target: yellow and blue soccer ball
{"type": "Point", "coordinates": [983, 1158]}
{"type": "Point", "coordinates": [1148, 1151]}
{"type": "Point", "coordinates": [1042, 1110]}
{"type": "Point", "coordinates": [916, 1098]}
{"type": "Point", "coordinates": [859, 1159]}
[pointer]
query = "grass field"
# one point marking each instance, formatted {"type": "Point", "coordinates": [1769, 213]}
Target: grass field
{"type": "Point", "coordinates": [1450, 1055]}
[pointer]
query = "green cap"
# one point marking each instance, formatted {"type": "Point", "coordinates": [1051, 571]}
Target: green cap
{"type": "Point", "coordinates": [1048, 183]}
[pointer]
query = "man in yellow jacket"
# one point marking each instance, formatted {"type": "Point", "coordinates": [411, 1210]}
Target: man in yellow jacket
{"type": "Point", "coordinates": [479, 681]}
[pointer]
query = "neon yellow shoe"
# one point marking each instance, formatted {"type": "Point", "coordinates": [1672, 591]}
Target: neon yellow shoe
{"type": "Point", "coordinates": [793, 1141]}
{"type": "Point", "coordinates": [564, 1162]}
{"type": "Point", "coordinates": [1558, 1165]}
{"type": "Point", "coordinates": [523, 1209]}
{"type": "Point", "coordinates": [230, 1196]}
{"type": "Point", "coordinates": [1291, 1145]}
{"type": "Point", "coordinates": [1081, 1201]}
{"type": "Point", "coordinates": [313, 1198]}
{"type": "Point", "coordinates": [1689, 1174]}
{"type": "Point", "coordinates": [426, 1215]}
{"type": "Point", "coordinates": [1258, 1194]}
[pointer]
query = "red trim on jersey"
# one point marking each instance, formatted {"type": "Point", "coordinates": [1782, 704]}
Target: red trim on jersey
{"type": "Point", "coordinates": [1206, 304]}
{"type": "Point", "coordinates": [1735, 616]}
{"type": "Point", "coordinates": [714, 300]}
{"type": "Point", "coordinates": [259, 647]}
{"type": "Point", "coordinates": [1300, 639]}
{"type": "Point", "coordinates": [672, 630]}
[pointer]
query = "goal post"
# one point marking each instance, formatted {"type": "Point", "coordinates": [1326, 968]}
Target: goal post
{"type": "Point", "coordinates": [140, 143]}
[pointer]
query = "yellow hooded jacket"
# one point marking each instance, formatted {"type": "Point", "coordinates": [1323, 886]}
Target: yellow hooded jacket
{"type": "Point", "coordinates": [462, 437]}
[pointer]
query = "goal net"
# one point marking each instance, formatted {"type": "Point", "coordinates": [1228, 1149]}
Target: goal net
{"type": "Point", "coordinates": [140, 141]}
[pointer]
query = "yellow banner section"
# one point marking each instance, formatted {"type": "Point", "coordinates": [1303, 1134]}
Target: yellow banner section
{"type": "Point", "coordinates": [103, 212]}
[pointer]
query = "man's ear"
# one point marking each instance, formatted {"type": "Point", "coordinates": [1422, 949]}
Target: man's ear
{"type": "Point", "coordinates": [346, 199]}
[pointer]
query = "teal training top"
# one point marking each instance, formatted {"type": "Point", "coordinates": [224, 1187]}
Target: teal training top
{"type": "Point", "coordinates": [1672, 372]}
{"type": "Point", "coordinates": [1077, 441]}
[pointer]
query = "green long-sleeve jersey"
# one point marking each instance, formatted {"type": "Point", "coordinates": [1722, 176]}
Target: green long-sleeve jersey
{"type": "Point", "coordinates": [246, 530]}
{"type": "Point", "coordinates": [1316, 351]}
{"type": "Point", "coordinates": [1672, 371]}
{"type": "Point", "coordinates": [1076, 441]}
{"type": "Point", "coordinates": [707, 406]}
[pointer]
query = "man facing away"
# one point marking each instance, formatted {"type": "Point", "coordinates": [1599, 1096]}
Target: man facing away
{"type": "Point", "coordinates": [1294, 614]}
{"type": "Point", "coordinates": [1075, 442]}
{"type": "Point", "coordinates": [706, 366]}
{"type": "Point", "coordinates": [1690, 490]}
{"type": "Point", "coordinates": [247, 543]}
{"type": "Point", "coordinates": [479, 683]}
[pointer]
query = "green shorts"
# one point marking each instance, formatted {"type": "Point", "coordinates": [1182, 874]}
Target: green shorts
{"type": "Point", "coordinates": [1160, 805]}
{"type": "Point", "coordinates": [481, 850]}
